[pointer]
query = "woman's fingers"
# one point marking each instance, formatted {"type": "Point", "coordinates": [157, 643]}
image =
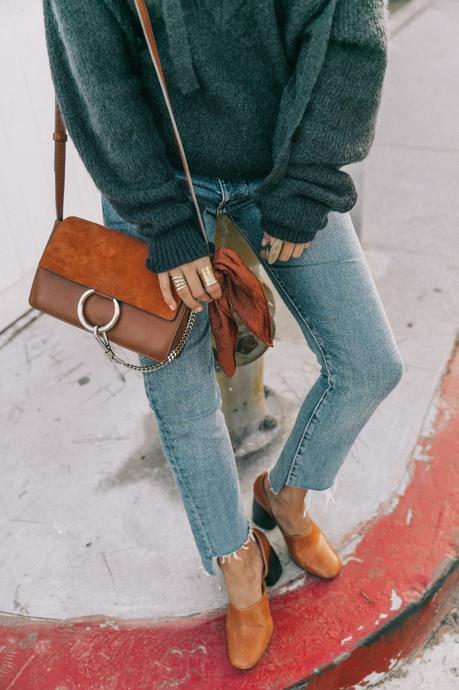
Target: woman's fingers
{"type": "Point", "coordinates": [286, 251]}
{"type": "Point", "coordinates": [215, 290]}
{"type": "Point", "coordinates": [266, 243]}
{"type": "Point", "coordinates": [194, 291]}
{"type": "Point", "coordinates": [198, 289]}
{"type": "Point", "coordinates": [299, 248]}
{"type": "Point", "coordinates": [165, 286]}
{"type": "Point", "coordinates": [297, 251]}
{"type": "Point", "coordinates": [267, 240]}
{"type": "Point", "coordinates": [194, 281]}
{"type": "Point", "coordinates": [185, 292]}
{"type": "Point", "coordinates": [290, 250]}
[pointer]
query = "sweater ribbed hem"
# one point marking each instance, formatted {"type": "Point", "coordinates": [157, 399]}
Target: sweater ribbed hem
{"type": "Point", "coordinates": [292, 219]}
{"type": "Point", "coordinates": [176, 246]}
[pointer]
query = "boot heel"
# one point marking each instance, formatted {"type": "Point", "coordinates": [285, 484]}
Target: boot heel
{"type": "Point", "coordinates": [274, 568]}
{"type": "Point", "coordinates": [261, 517]}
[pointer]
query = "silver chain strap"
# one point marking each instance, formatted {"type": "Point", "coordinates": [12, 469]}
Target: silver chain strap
{"type": "Point", "coordinates": [102, 339]}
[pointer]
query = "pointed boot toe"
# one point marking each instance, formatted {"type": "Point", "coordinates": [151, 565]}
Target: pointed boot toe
{"type": "Point", "coordinates": [314, 553]}
{"type": "Point", "coordinates": [248, 632]}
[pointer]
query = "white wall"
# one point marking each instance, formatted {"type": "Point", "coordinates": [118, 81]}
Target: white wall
{"type": "Point", "coordinates": [26, 155]}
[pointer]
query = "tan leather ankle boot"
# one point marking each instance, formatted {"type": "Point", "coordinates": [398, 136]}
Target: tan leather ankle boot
{"type": "Point", "coordinates": [311, 551]}
{"type": "Point", "coordinates": [249, 629]}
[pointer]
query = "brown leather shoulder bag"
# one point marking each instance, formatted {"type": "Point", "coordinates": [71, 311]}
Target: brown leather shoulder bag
{"type": "Point", "coordinates": [95, 277]}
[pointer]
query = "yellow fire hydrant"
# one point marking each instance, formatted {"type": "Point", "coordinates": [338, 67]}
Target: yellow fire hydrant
{"type": "Point", "coordinates": [250, 408]}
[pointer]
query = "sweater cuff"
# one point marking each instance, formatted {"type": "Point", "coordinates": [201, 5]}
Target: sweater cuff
{"type": "Point", "coordinates": [174, 247]}
{"type": "Point", "coordinates": [291, 217]}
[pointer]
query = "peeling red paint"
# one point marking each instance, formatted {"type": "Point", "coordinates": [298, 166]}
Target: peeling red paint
{"type": "Point", "coordinates": [332, 626]}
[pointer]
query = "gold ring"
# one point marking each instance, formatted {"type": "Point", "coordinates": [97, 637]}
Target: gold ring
{"type": "Point", "coordinates": [179, 282]}
{"type": "Point", "coordinates": [274, 251]}
{"type": "Point", "coordinates": [207, 276]}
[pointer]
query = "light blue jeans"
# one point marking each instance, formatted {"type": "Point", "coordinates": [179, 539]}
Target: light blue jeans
{"type": "Point", "coordinates": [330, 292]}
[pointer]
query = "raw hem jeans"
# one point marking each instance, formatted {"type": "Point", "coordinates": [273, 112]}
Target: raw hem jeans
{"type": "Point", "coordinates": [331, 294]}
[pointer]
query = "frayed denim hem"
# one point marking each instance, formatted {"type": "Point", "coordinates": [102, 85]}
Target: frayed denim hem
{"type": "Point", "coordinates": [328, 493]}
{"type": "Point", "coordinates": [208, 566]}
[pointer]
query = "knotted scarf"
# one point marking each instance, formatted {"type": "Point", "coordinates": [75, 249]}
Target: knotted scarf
{"type": "Point", "coordinates": [242, 294]}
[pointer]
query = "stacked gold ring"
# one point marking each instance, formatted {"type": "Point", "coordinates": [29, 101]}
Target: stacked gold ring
{"type": "Point", "coordinates": [207, 276]}
{"type": "Point", "coordinates": [274, 251]}
{"type": "Point", "coordinates": [179, 282]}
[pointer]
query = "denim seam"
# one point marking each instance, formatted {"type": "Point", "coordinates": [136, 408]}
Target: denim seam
{"type": "Point", "coordinates": [248, 536]}
{"type": "Point", "coordinates": [278, 282]}
{"type": "Point", "coordinates": [227, 195]}
{"type": "Point", "coordinates": [238, 205]}
{"type": "Point", "coordinates": [222, 188]}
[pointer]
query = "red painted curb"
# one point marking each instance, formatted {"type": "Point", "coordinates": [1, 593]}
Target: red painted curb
{"type": "Point", "coordinates": [323, 630]}
{"type": "Point", "coordinates": [381, 652]}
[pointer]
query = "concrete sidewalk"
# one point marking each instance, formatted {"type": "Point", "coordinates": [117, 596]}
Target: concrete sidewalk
{"type": "Point", "coordinates": [437, 665]}
{"type": "Point", "coordinates": [88, 503]}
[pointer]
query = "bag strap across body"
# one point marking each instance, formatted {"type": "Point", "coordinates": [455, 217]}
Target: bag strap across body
{"type": "Point", "coordinates": [60, 138]}
{"type": "Point", "coordinates": [60, 134]}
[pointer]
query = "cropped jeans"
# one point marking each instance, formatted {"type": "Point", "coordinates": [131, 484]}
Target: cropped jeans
{"type": "Point", "coordinates": [331, 294]}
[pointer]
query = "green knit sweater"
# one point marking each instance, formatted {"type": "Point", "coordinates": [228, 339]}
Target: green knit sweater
{"type": "Point", "coordinates": [286, 90]}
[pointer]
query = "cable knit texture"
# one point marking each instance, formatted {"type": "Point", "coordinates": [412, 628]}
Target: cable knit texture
{"type": "Point", "coordinates": [285, 90]}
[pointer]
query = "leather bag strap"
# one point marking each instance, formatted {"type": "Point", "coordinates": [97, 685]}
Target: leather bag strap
{"type": "Point", "coordinates": [60, 134]}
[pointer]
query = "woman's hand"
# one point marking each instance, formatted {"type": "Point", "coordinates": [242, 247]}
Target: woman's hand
{"type": "Point", "coordinates": [195, 291]}
{"type": "Point", "coordinates": [290, 250]}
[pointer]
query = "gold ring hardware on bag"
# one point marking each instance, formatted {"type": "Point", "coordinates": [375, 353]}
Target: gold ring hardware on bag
{"type": "Point", "coordinates": [100, 333]}
{"type": "Point", "coordinates": [90, 327]}
{"type": "Point", "coordinates": [207, 275]}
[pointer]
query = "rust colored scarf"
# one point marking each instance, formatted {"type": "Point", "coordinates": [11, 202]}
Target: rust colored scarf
{"type": "Point", "coordinates": [243, 294]}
